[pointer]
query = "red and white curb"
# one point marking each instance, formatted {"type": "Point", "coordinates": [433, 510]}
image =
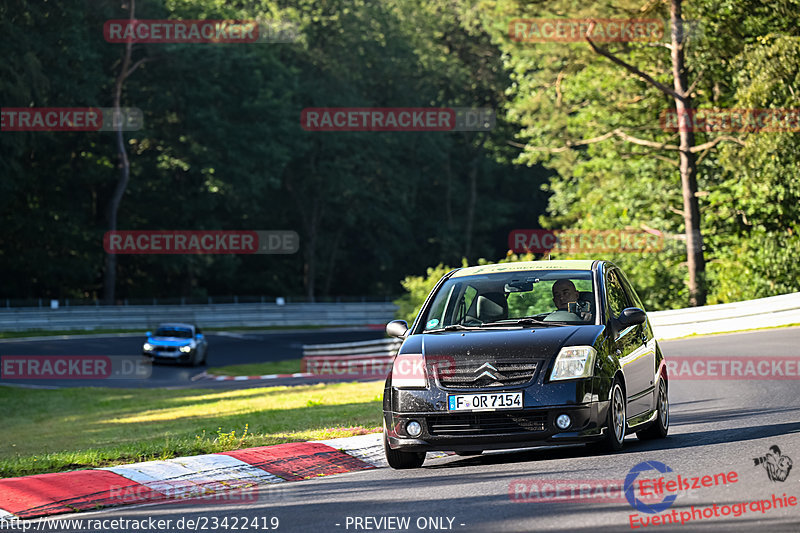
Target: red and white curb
{"type": "Point", "coordinates": [265, 376]}
{"type": "Point", "coordinates": [198, 478]}
{"type": "Point", "coordinates": [303, 375]}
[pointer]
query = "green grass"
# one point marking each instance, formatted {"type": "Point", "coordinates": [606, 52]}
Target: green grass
{"type": "Point", "coordinates": [287, 366]}
{"type": "Point", "coordinates": [68, 429]}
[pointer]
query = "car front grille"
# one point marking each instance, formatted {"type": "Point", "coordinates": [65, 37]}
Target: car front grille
{"type": "Point", "coordinates": [474, 372]}
{"type": "Point", "coordinates": [486, 423]}
{"type": "Point", "coordinates": [165, 349]}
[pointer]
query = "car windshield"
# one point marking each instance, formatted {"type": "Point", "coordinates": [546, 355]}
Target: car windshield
{"type": "Point", "coordinates": [546, 298]}
{"type": "Point", "coordinates": [179, 333]}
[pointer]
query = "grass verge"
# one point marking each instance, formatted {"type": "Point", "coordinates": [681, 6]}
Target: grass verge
{"type": "Point", "coordinates": [287, 366]}
{"type": "Point", "coordinates": [68, 429]}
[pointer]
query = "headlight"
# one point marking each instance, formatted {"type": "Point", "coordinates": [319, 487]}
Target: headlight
{"type": "Point", "coordinates": [574, 362]}
{"type": "Point", "coordinates": [148, 347]}
{"type": "Point", "coordinates": [408, 371]}
{"type": "Point", "coordinates": [186, 349]}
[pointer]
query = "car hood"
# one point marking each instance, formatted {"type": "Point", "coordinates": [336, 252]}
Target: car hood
{"type": "Point", "coordinates": [537, 343]}
{"type": "Point", "coordinates": [169, 341]}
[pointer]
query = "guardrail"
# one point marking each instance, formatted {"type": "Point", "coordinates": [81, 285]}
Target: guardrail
{"type": "Point", "coordinates": [750, 314]}
{"type": "Point", "coordinates": [206, 316]}
{"type": "Point", "coordinates": [332, 359]}
{"type": "Point", "coordinates": [343, 358]}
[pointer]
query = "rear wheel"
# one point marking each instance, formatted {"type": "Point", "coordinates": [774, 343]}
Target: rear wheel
{"type": "Point", "coordinates": [400, 460]}
{"type": "Point", "coordinates": [659, 428]}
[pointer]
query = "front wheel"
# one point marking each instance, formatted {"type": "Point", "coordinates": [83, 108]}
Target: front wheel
{"type": "Point", "coordinates": [659, 428]}
{"type": "Point", "coordinates": [400, 460]}
{"type": "Point", "coordinates": [616, 421]}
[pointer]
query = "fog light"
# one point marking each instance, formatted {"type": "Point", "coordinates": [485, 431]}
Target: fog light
{"type": "Point", "coordinates": [413, 428]}
{"type": "Point", "coordinates": [563, 421]}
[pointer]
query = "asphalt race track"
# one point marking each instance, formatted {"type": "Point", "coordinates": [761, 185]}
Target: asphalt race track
{"type": "Point", "coordinates": [717, 426]}
{"type": "Point", "coordinates": [225, 348]}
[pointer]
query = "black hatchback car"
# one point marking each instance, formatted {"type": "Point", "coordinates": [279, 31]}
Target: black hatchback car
{"type": "Point", "coordinates": [524, 354]}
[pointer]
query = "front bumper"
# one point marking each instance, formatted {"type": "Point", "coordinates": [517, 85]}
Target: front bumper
{"type": "Point", "coordinates": [177, 355]}
{"type": "Point", "coordinates": [486, 431]}
{"type": "Point", "coordinates": [533, 425]}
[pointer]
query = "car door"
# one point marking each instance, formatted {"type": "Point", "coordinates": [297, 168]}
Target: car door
{"type": "Point", "coordinates": [630, 349]}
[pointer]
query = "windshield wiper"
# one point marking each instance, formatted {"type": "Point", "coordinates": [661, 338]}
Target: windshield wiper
{"type": "Point", "coordinates": [524, 321]}
{"type": "Point", "coordinates": [452, 327]}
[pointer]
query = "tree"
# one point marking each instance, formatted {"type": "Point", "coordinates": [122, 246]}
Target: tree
{"type": "Point", "coordinates": [126, 69]}
{"type": "Point", "coordinates": [613, 101]}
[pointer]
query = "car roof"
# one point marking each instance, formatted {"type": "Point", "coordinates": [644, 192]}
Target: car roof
{"type": "Point", "coordinates": [574, 264]}
{"type": "Point", "coordinates": [175, 325]}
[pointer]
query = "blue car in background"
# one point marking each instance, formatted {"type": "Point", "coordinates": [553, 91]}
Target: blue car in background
{"type": "Point", "coordinates": [183, 343]}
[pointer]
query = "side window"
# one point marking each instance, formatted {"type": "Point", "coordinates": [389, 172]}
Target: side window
{"type": "Point", "coordinates": [635, 301]}
{"type": "Point", "coordinates": [632, 296]}
{"type": "Point", "coordinates": [617, 301]}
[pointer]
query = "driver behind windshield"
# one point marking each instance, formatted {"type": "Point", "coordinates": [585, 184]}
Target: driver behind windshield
{"type": "Point", "coordinates": [565, 293]}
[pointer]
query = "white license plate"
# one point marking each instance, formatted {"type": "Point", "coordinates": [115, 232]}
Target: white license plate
{"type": "Point", "coordinates": [491, 400]}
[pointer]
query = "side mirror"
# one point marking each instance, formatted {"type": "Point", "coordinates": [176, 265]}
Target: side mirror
{"type": "Point", "coordinates": [630, 316]}
{"type": "Point", "coordinates": [397, 328]}
{"type": "Point", "coordinates": [199, 336]}
{"type": "Point", "coordinates": [149, 333]}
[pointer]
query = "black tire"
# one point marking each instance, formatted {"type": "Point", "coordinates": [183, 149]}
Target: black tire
{"type": "Point", "coordinates": [469, 453]}
{"type": "Point", "coordinates": [400, 460]}
{"type": "Point", "coordinates": [205, 356]}
{"type": "Point", "coordinates": [616, 419]}
{"type": "Point", "coordinates": [193, 359]}
{"type": "Point", "coordinates": [659, 428]}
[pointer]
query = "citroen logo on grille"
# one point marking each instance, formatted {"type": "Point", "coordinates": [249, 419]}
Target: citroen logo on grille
{"type": "Point", "coordinates": [487, 366]}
